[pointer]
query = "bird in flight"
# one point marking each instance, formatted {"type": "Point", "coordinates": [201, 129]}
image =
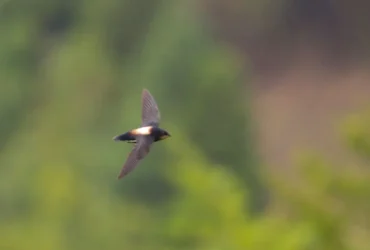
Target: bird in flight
{"type": "Point", "coordinates": [143, 137]}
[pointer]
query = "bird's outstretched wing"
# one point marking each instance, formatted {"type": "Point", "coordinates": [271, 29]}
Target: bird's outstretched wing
{"type": "Point", "coordinates": [150, 113]}
{"type": "Point", "coordinates": [140, 150]}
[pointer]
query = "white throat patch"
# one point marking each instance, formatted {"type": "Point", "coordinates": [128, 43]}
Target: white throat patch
{"type": "Point", "coordinates": [142, 131]}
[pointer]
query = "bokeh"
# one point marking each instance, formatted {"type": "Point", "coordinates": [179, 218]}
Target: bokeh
{"type": "Point", "coordinates": [267, 103]}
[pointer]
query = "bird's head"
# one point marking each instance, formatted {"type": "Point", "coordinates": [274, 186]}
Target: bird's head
{"type": "Point", "coordinates": [164, 135]}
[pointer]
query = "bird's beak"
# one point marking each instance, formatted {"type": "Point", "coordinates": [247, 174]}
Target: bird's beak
{"type": "Point", "coordinates": [165, 136]}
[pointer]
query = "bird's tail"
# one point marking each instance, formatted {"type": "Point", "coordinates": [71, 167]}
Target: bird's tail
{"type": "Point", "coordinates": [125, 137]}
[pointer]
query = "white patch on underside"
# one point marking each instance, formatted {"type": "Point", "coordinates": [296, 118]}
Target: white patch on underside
{"type": "Point", "coordinates": [142, 130]}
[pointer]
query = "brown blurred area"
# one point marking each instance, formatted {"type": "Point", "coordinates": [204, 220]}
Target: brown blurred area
{"type": "Point", "coordinates": [310, 69]}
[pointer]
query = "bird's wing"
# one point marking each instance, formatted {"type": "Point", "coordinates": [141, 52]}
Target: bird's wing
{"type": "Point", "coordinates": [150, 113]}
{"type": "Point", "coordinates": [140, 150]}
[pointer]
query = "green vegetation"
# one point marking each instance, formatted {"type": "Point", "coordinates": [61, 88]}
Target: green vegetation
{"type": "Point", "coordinates": [71, 78]}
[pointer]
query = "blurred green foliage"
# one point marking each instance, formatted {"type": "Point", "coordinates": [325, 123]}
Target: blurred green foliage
{"type": "Point", "coordinates": [72, 73]}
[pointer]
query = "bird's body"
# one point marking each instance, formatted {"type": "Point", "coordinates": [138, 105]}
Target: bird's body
{"type": "Point", "coordinates": [131, 135]}
{"type": "Point", "coordinates": [144, 136]}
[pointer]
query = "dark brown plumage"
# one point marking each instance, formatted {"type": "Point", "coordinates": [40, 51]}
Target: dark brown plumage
{"type": "Point", "coordinates": [144, 136]}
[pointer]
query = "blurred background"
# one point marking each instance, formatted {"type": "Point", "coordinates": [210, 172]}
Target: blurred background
{"type": "Point", "coordinates": [267, 102]}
